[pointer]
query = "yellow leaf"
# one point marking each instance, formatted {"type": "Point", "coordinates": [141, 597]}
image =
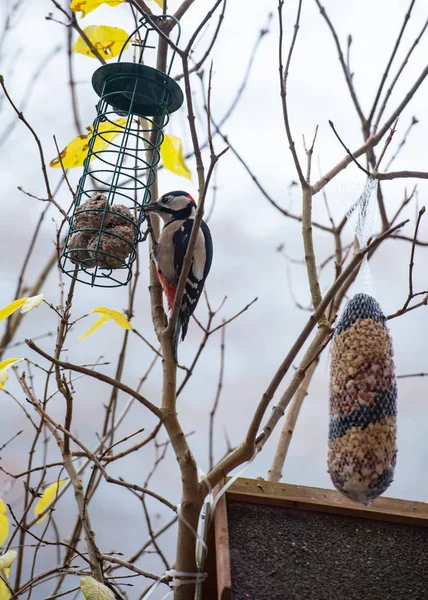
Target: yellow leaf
{"type": "Point", "coordinates": [6, 311]}
{"type": "Point", "coordinates": [93, 328]}
{"type": "Point", "coordinates": [32, 302]}
{"type": "Point", "coordinates": [107, 313]}
{"type": "Point", "coordinates": [7, 559]}
{"type": "Point", "coordinates": [172, 156]}
{"type": "Point", "coordinates": [75, 153]}
{"type": "Point", "coordinates": [87, 6]}
{"type": "Point", "coordinates": [159, 3]}
{"type": "Point", "coordinates": [4, 591]}
{"type": "Point", "coordinates": [4, 523]}
{"type": "Point", "coordinates": [48, 496]}
{"type": "Point", "coordinates": [107, 40]}
{"type": "Point", "coordinates": [94, 590]}
{"type": "Point", "coordinates": [116, 315]}
{"type": "Point", "coordinates": [3, 378]}
{"type": "Point", "coordinates": [4, 366]}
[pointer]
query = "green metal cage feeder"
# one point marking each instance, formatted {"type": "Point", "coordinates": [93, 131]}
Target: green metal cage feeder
{"type": "Point", "coordinates": [123, 151]}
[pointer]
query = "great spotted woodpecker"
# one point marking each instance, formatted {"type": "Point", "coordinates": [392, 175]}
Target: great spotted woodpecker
{"type": "Point", "coordinates": [178, 209]}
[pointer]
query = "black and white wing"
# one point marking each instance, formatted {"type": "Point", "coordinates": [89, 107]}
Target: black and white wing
{"type": "Point", "coordinates": [201, 264]}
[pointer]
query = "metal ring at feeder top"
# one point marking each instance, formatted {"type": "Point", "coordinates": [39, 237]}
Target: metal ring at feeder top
{"type": "Point", "coordinates": [138, 89]}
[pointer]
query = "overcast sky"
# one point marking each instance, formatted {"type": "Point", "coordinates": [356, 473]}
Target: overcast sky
{"type": "Point", "coordinates": [246, 231]}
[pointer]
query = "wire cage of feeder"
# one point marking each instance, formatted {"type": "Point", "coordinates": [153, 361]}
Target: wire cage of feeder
{"type": "Point", "coordinates": [135, 103]}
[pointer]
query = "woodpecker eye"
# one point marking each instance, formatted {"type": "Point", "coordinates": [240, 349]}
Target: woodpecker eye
{"type": "Point", "coordinates": [167, 199]}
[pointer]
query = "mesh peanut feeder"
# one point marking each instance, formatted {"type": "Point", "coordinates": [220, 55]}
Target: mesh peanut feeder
{"type": "Point", "coordinates": [123, 151]}
{"type": "Point", "coordinates": [363, 403]}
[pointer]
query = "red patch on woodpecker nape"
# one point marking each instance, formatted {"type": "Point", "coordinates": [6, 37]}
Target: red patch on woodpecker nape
{"type": "Point", "coordinates": [190, 197]}
{"type": "Point", "coordinates": [169, 290]}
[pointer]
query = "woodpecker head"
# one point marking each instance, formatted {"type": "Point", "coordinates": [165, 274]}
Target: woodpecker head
{"type": "Point", "coordinates": [174, 206]}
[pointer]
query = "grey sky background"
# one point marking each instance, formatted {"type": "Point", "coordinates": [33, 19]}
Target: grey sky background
{"type": "Point", "coordinates": [246, 232]}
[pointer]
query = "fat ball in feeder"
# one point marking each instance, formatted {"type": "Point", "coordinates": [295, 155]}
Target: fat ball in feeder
{"type": "Point", "coordinates": [103, 238]}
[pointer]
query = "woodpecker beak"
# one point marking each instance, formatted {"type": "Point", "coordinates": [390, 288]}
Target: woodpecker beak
{"type": "Point", "coordinates": [151, 207]}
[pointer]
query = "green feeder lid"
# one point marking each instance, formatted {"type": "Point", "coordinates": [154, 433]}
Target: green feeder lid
{"type": "Point", "coordinates": [137, 89]}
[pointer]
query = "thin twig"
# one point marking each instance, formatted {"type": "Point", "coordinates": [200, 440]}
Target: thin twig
{"type": "Point", "coordinates": [412, 375]}
{"type": "Point", "coordinates": [413, 122]}
{"type": "Point", "coordinates": [374, 139]}
{"type": "Point", "coordinates": [388, 66]}
{"type": "Point", "coordinates": [345, 68]}
{"type": "Point", "coordinates": [283, 76]}
{"type": "Point", "coordinates": [349, 153]}
{"type": "Point", "coordinates": [36, 138]}
{"type": "Point", "coordinates": [398, 75]}
{"type": "Point", "coordinates": [217, 399]}
{"type": "Point", "coordinates": [75, 25]}
{"type": "Point", "coordinates": [96, 375]}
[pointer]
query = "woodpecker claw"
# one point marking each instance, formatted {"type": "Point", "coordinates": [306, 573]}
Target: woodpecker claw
{"type": "Point", "coordinates": [148, 231]}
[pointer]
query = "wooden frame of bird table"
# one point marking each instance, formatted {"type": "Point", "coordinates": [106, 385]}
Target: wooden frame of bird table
{"type": "Point", "coordinates": [276, 541]}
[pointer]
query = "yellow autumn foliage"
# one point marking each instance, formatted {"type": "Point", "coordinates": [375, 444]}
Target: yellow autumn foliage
{"type": "Point", "coordinates": [25, 304]}
{"type": "Point", "coordinates": [32, 302]}
{"type": "Point", "coordinates": [107, 314]}
{"type": "Point", "coordinates": [172, 156]}
{"type": "Point", "coordinates": [48, 497]}
{"type": "Point", "coordinates": [6, 560]}
{"type": "Point", "coordinates": [6, 311]}
{"type": "Point", "coordinates": [4, 523]}
{"type": "Point", "coordinates": [4, 591]}
{"type": "Point", "coordinates": [94, 590]}
{"type": "Point", "coordinates": [87, 6]}
{"type": "Point", "coordinates": [4, 367]}
{"type": "Point", "coordinates": [75, 152]}
{"type": "Point", "coordinates": [98, 323]}
{"type": "Point", "coordinates": [107, 40]}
